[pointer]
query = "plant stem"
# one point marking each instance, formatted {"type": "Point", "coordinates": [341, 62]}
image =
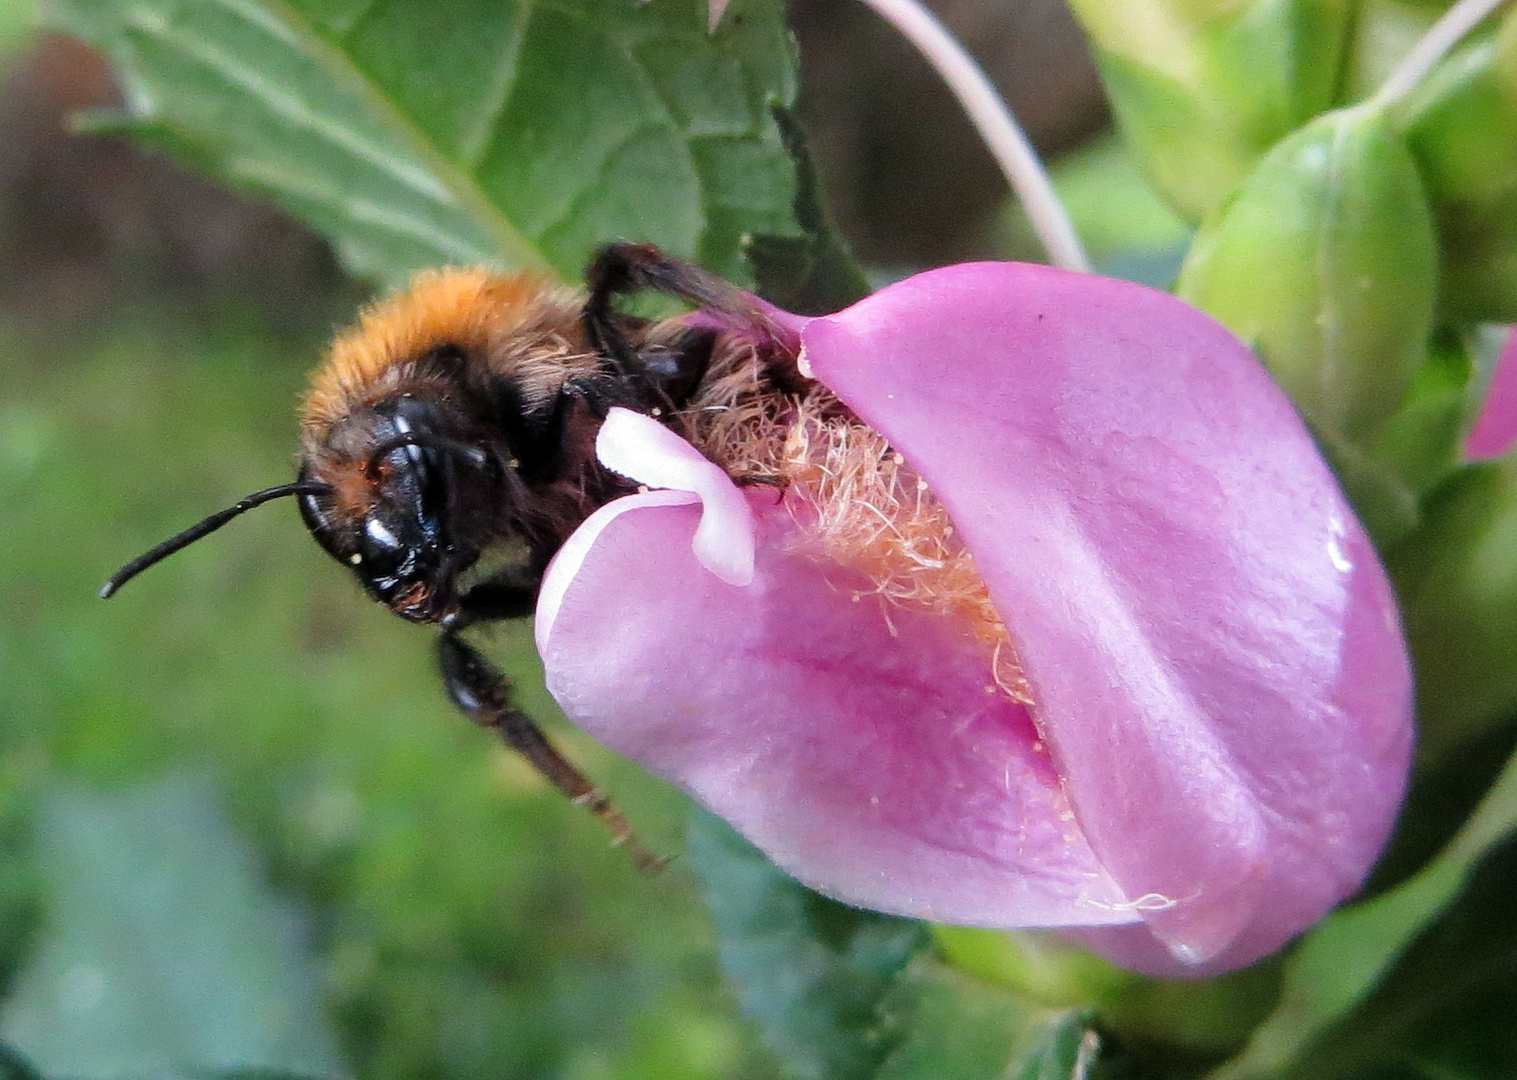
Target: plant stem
{"type": "Point", "coordinates": [997, 127]}
{"type": "Point", "coordinates": [1442, 36]}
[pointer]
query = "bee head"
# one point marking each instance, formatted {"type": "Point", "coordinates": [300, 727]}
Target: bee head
{"type": "Point", "coordinates": [404, 494]}
{"type": "Point", "coordinates": [396, 487]}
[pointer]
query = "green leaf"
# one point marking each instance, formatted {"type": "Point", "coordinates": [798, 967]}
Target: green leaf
{"type": "Point", "coordinates": [17, 20]}
{"type": "Point", "coordinates": [841, 993]}
{"type": "Point", "coordinates": [972, 1030]}
{"type": "Point", "coordinates": [163, 954]}
{"type": "Point", "coordinates": [822, 980]}
{"type": "Point", "coordinates": [15, 1067]}
{"type": "Point", "coordinates": [255, 1074]}
{"type": "Point", "coordinates": [1064, 1050]}
{"type": "Point", "coordinates": [1448, 1001]}
{"type": "Point", "coordinates": [961, 1028]}
{"type": "Point", "coordinates": [514, 134]}
{"type": "Point", "coordinates": [1443, 795]}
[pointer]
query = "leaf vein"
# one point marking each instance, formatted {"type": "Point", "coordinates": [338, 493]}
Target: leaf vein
{"type": "Point", "coordinates": [361, 211]}
{"type": "Point", "coordinates": [291, 109]}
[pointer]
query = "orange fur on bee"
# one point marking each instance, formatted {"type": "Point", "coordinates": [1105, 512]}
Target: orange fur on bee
{"type": "Point", "coordinates": [524, 326]}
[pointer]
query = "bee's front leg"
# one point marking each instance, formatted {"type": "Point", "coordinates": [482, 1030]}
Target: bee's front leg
{"type": "Point", "coordinates": [484, 694]}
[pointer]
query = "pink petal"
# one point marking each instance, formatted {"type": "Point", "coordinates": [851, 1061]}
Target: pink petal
{"type": "Point", "coordinates": [642, 449]}
{"type": "Point", "coordinates": [569, 558]}
{"type": "Point", "coordinates": [1208, 636]}
{"type": "Point", "coordinates": [1495, 427]}
{"type": "Point", "coordinates": [882, 770]}
{"type": "Point", "coordinates": [1221, 724]}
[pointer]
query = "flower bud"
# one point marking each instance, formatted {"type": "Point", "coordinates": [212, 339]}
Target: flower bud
{"type": "Point", "coordinates": [1202, 89]}
{"type": "Point", "coordinates": [1192, 732]}
{"type": "Point", "coordinates": [1325, 262]}
{"type": "Point", "coordinates": [1461, 128]}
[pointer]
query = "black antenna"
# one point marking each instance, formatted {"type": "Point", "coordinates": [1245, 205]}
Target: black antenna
{"type": "Point", "coordinates": [206, 527]}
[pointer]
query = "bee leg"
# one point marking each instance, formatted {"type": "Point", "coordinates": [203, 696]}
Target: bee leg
{"type": "Point", "coordinates": [623, 268]}
{"type": "Point", "coordinates": [484, 695]}
{"type": "Point", "coordinates": [781, 484]}
{"type": "Point", "coordinates": [508, 593]}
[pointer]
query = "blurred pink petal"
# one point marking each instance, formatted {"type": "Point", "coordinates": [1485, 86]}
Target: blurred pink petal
{"type": "Point", "coordinates": [1221, 725]}
{"type": "Point", "coordinates": [1495, 427]}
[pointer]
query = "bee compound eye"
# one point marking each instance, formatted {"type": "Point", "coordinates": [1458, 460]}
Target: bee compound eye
{"type": "Point", "coordinates": [382, 554]}
{"type": "Point", "coordinates": [317, 513]}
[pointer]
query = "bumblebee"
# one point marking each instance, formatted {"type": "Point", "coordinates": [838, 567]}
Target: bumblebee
{"type": "Point", "coordinates": [458, 421]}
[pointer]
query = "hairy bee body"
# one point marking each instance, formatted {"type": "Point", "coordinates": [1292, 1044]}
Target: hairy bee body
{"type": "Point", "coordinates": [458, 419]}
{"type": "Point", "coordinates": [461, 415]}
{"type": "Point", "coordinates": [494, 381]}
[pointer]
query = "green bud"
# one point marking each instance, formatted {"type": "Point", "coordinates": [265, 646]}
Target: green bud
{"type": "Point", "coordinates": [1326, 263]}
{"type": "Point", "coordinates": [1480, 270]}
{"type": "Point", "coordinates": [1422, 443]}
{"type": "Point", "coordinates": [1038, 965]}
{"type": "Point", "coordinates": [1202, 88]}
{"type": "Point", "coordinates": [1461, 128]}
{"type": "Point", "coordinates": [1207, 1018]}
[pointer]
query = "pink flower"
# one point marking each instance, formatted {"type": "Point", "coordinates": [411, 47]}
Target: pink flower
{"type": "Point", "coordinates": [1218, 726]}
{"type": "Point", "coordinates": [1496, 426]}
